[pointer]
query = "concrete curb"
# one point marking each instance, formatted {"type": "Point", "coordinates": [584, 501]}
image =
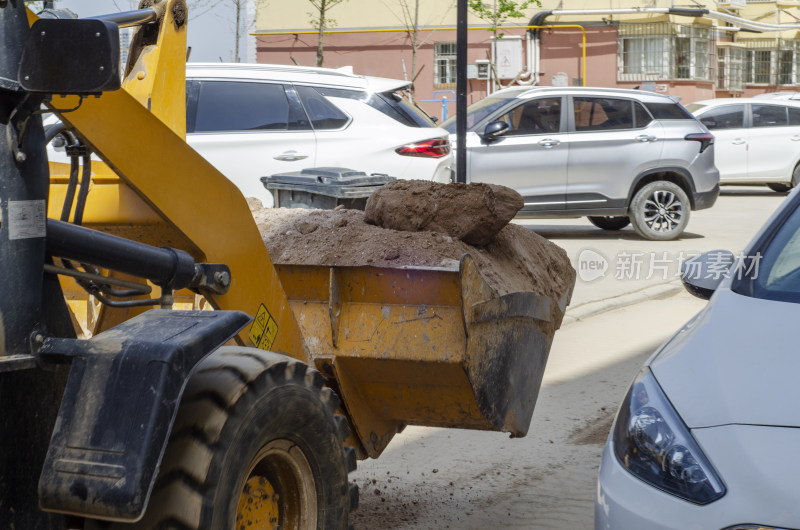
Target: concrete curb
{"type": "Point", "coordinates": [590, 309]}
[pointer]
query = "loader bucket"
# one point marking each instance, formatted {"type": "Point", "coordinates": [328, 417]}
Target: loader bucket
{"type": "Point", "coordinates": [423, 346]}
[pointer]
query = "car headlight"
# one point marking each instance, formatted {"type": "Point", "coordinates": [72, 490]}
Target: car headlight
{"type": "Point", "coordinates": [651, 441]}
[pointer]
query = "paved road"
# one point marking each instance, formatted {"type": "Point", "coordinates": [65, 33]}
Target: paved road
{"type": "Point", "coordinates": [730, 224]}
{"type": "Point", "coordinates": [443, 478]}
{"type": "Point", "coordinates": [440, 478]}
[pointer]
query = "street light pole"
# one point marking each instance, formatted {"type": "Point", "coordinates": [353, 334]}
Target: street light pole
{"type": "Point", "coordinates": [461, 93]}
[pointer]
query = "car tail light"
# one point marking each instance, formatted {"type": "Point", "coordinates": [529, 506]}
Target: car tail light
{"type": "Point", "coordinates": [705, 139]}
{"type": "Point", "coordinates": [434, 148]}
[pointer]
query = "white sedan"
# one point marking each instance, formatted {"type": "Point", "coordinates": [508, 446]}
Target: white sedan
{"type": "Point", "coordinates": [708, 436]}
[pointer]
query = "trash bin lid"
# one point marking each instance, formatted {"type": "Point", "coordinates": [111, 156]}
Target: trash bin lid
{"type": "Point", "coordinates": [336, 176]}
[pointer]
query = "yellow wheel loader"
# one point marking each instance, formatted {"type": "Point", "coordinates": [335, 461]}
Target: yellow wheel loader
{"type": "Point", "coordinates": [119, 411]}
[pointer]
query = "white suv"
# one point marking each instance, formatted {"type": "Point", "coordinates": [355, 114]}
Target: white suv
{"type": "Point", "coordinates": [757, 139]}
{"type": "Point", "coordinates": [615, 156]}
{"type": "Point", "coordinates": [255, 120]}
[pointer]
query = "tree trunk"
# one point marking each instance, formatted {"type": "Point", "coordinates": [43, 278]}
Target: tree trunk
{"type": "Point", "coordinates": [414, 47]}
{"type": "Point", "coordinates": [238, 27]}
{"type": "Point", "coordinates": [321, 35]}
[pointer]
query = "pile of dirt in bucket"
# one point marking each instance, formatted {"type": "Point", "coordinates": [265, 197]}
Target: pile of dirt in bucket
{"type": "Point", "coordinates": [420, 223]}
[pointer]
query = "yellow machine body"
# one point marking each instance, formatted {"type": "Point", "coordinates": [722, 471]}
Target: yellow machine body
{"type": "Point", "coordinates": [154, 188]}
{"type": "Point", "coordinates": [422, 346]}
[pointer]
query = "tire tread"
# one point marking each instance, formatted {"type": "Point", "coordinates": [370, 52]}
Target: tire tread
{"type": "Point", "coordinates": [209, 402]}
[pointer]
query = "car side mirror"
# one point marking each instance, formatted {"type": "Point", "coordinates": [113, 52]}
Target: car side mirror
{"type": "Point", "coordinates": [701, 275]}
{"type": "Point", "coordinates": [494, 129]}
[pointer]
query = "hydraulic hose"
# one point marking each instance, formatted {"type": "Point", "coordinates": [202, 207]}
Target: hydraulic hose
{"type": "Point", "coordinates": [83, 191]}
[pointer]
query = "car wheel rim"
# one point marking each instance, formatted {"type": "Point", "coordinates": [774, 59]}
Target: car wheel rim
{"type": "Point", "coordinates": [663, 211]}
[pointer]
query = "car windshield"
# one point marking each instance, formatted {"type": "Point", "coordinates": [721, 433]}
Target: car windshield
{"type": "Point", "coordinates": [692, 107]}
{"type": "Point", "coordinates": [478, 111]}
{"type": "Point", "coordinates": [772, 270]}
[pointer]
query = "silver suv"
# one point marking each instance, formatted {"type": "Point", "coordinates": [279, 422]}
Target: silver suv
{"type": "Point", "coordinates": [615, 156]}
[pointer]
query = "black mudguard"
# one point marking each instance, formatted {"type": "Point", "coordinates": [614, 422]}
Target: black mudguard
{"type": "Point", "coordinates": [118, 408]}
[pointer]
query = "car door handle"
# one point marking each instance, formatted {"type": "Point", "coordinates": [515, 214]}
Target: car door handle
{"type": "Point", "coordinates": [738, 141]}
{"type": "Point", "coordinates": [290, 156]}
{"type": "Point", "coordinates": [645, 138]}
{"type": "Point", "coordinates": [549, 142]}
{"type": "Point", "coordinates": [796, 138]}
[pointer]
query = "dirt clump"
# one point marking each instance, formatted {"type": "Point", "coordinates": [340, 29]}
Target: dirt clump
{"type": "Point", "coordinates": [473, 213]}
{"type": "Point", "coordinates": [515, 259]}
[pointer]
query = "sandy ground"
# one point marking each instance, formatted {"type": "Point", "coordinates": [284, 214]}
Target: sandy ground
{"type": "Point", "coordinates": [443, 478]}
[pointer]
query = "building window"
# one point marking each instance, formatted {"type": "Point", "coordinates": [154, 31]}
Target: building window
{"type": "Point", "coordinates": [757, 67]}
{"type": "Point", "coordinates": [644, 56]}
{"type": "Point", "coordinates": [730, 69]}
{"type": "Point", "coordinates": [769, 63]}
{"type": "Point", "coordinates": [444, 63]}
{"type": "Point", "coordinates": [785, 67]}
{"type": "Point", "coordinates": [660, 51]}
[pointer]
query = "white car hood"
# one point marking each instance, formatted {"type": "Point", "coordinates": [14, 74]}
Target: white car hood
{"type": "Point", "coordinates": [738, 362]}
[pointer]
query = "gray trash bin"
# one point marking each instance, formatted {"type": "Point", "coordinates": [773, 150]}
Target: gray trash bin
{"type": "Point", "coordinates": [324, 188]}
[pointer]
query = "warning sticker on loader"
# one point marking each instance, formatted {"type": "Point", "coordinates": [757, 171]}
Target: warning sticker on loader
{"type": "Point", "coordinates": [26, 219]}
{"type": "Point", "coordinates": [264, 329]}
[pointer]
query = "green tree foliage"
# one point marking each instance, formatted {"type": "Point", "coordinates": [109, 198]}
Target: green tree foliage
{"type": "Point", "coordinates": [498, 11]}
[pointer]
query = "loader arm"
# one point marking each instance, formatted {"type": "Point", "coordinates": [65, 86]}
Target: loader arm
{"type": "Point", "coordinates": [185, 192]}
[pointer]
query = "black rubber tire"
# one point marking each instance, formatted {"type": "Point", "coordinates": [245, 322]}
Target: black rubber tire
{"type": "Point", "coordinates": [780, 188]}
{"type": "Point", "coordinates": [644, 212]}
{"type": "Point", "coordinates": [238, 401]}
{"type": "Point", "coordinates": [783, 188]}
{"type": "Point", "coordinates": [610, 222]}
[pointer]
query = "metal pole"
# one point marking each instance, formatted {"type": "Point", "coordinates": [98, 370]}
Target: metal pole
{"type": "Point", "coordinates": [461, 93]}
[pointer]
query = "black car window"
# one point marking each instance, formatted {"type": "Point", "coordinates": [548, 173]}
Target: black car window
{"type": "Point", "coordinates": [772, 270]}
{"type": "Point", "coordinates": [238, 106]}
{"type": "Point", "coordinates": [391, 104]}
{"type": "Point", "coordinates": [479, 111]}
{"type": "Point", "coordinates": [411, 114]}
{"type": "Point", "coordinates": [769, 115]}
{"type": "Point", "coordinates": [668, 111]}
{"type": "Point", "coordinates": [641, 115]}
{"type": "Point", "coordinates": [602, 114]}
{"type": "Point", "coordinates": [538, 116]}
{"type": "Point", "coordinates": [725, 117]}
{"type": "Point", "coordinates": [192, 89]}
{"type": "Point", "coordinates": [794, 116]}
{"type": "Point", "coordinates": [323, 113]}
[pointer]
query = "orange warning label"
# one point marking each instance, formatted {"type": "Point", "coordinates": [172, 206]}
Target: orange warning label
{"type": "Point", "coordinates": [264, 329]}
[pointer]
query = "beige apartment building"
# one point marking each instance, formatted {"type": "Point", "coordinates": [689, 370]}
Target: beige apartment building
{"type": "Point", "coordinates": [691, 49]}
